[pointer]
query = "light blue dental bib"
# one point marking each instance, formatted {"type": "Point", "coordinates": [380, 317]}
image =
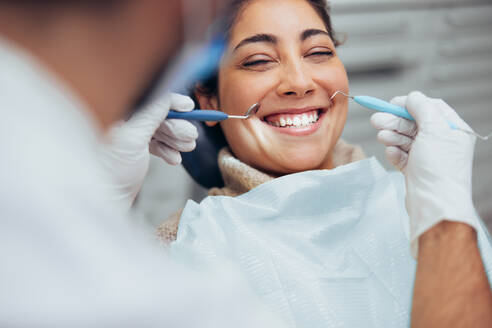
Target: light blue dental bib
{"type": "Point", "coordinates": [322, 248]}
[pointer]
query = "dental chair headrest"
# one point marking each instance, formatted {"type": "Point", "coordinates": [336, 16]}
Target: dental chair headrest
{"type": "Point", "coordinates": [202, 163]}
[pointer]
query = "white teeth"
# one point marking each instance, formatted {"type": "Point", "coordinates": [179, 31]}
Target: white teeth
{"type": "Point", "coordinates": [296, 121]}
{"type": "Point", "coordinates": [282, 122]}
{"type": "Point", "coordinates": [305, 120]}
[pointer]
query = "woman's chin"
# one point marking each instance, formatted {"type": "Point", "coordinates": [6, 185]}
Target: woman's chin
{"type": "Point", "coordinates": [299, 161]}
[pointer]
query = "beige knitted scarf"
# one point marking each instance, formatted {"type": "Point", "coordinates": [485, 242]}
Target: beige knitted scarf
{"type": "Point", "coordinates": [240, 178]}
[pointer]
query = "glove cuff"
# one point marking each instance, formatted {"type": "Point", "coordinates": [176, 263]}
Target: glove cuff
{"type": "Point", "coordinates": [428, 209]}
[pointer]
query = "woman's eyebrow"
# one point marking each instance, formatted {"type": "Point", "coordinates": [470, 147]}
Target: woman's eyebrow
{"type": "Point", "coordinates": [257, 38]}
{"type": "Point", "coordinates": [312, 32]}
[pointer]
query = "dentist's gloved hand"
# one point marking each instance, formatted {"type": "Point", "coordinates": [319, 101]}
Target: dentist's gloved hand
{"type": "Point", "coordinates": [127, 154]}
{"type": "Point", "coordinates": [435, 159]}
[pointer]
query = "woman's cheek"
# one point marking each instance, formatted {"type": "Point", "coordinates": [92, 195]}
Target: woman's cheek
{"type": "Point", "coordinates": [238, 97]}
{"type": "Point", "coordinates": [333, 80]}
{"type": "Point", "coordinates": [331, 72]}
{"type": "Point", "coordinates": [340, 78]}
{"type": "Point", "coordinates": [242, 143]}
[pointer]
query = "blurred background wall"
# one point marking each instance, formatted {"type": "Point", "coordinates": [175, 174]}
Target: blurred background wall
{"type": "Point", "coordinates": [441, 47]}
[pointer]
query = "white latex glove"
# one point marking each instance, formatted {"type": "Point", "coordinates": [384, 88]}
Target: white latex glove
{"type": "Point", "coordinates": [435, 159]}
{"type": "Point", "coordinates": [130, 143]}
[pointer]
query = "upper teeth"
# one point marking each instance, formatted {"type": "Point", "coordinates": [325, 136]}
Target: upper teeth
{"type": "Point", "coordinates": [296, 120]}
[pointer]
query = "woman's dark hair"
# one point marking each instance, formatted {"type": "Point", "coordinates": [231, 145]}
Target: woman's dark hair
{"type": "Point", "coordinates": [202, 163]}
{"type": "Point", "coordinates": [209, 87]}
{"type": "Point", "coordinates": [47, 3]}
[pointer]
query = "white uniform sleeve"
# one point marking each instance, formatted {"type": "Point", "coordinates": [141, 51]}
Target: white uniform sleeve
{"type": "Point", "coordinates": [71, 267]}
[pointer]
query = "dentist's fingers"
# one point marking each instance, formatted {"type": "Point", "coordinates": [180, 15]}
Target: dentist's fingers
{"type": "Point", "coordinates": [145, 122]}
{"type": "Point", "coordinates": [391, 138]}
{"type": "Point", "coordinates": [387, 121]}
{"type": "Point", "coordinates": [169, 155]}
{"type": "Point", "coordinates": [175, 143]}
{"type": "Point", "coordinates": [179, 129]}
{"type": "Point", "coordinates": [397, 157]}
{"type": "Point", "coordinates": [424, 110]}
{"type": "Point", "coordinates": [399, 101]}
{"type": "Point", "coordinates": [181, 103]}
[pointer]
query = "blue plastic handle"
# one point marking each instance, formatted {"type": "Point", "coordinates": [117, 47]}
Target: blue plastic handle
{"type": "Point", "coordinates": [384, 106]}
{"type": "Point", "coordinates": [198, 115]}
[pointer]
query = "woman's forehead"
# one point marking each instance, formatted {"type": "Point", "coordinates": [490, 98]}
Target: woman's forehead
{"type": "Point", "coordinates": [283, 18]}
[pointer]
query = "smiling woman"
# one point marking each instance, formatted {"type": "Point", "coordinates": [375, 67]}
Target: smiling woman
{"type": "Point", "coordinates": [283, 57]}
{"type": "Point", "coordinates": [286, 57]}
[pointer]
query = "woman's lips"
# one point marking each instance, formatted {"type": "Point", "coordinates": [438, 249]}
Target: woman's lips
{"type": "Point", "coordinates": [296, 122]}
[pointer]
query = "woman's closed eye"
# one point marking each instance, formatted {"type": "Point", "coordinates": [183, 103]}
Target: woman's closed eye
{"type": "Point", "coordinates": [320, 54]}
{"type": "Point", "coordinates": [258, 62]}
{"type": "Point", "coordinates": [264, 62]}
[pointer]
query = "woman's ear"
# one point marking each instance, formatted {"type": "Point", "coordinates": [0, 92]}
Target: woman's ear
{"type": "Point", "coordinates": [207, 102]}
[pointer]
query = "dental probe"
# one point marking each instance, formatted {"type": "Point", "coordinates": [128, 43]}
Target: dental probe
{"type": "Point", "coordinates": [211, 115]}
{"type": "Point", "coordinates": [384, 106]}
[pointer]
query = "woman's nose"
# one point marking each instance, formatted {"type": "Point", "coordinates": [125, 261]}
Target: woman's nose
{"type": "Point", "coordinates": [295, 81]}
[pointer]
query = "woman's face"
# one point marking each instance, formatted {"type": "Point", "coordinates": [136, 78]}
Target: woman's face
{"type": "Point", "coordinates": [280, 55]}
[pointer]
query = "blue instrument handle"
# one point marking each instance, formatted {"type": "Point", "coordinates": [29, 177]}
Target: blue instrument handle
{"type": "Point", "coordinates": [384, 106]}
{"type": "Point", "coordinates": [198, 115]}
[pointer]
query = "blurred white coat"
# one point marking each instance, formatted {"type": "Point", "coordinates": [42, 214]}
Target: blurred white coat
{"type": "Point", "coordinates": [69, 257]}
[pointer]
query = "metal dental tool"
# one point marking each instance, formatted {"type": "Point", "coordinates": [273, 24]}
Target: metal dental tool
{"type": "Point", "coordinates": [211, 115]}
{"type": "Point", "coordinates": [473, 133]}
{"type": "Point", "coordinates": [384, 106]}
